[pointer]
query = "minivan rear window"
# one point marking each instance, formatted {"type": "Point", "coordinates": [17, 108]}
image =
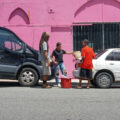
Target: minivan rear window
{"type": "Point", "coordinates": [98, 54]}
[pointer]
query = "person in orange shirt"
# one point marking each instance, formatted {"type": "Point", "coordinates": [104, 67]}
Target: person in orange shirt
{"type": "Point", "coordinates": [87, 54]}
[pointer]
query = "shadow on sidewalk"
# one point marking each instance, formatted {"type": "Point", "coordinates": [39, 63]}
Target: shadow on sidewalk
{"type": "Point", "coordinates": [39, 85]}
{"type": "Point", "coordinates": [9, 84]}
{"type": "Point", "coordinates": [74, 85]}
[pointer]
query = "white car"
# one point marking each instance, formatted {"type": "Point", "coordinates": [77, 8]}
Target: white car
{"type": "Point", "coordinates": [106, 68]}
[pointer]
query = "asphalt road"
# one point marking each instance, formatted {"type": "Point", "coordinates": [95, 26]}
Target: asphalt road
{"type": "Point", "coordinates": [36, 103]}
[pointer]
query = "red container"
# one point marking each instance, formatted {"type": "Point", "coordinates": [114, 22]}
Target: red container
{"type": "Point", "coordinates": [65, 82]}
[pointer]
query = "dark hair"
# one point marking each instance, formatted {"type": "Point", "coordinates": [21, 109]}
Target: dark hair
{"type": "Point", "coordinates": [58, 44]}
{"type": "Point", "coordinates": [45, 36]}
{"type": "Point", "coordinates": [85, 41]}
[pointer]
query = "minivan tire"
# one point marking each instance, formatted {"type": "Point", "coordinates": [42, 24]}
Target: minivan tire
{"type": "Point", "coordinates": [28, 77]}
{"type": "Point", "coordinates": [104, 80]}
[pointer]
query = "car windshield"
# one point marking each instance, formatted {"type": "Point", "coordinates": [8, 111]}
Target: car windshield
{"type": "Point", "coordinates": [99, 53]}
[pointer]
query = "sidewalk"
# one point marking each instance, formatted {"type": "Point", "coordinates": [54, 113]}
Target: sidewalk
{"type": "Point", "coordinates": [52, 81]}
{"type": "Point", "coordinates": [73, 80]}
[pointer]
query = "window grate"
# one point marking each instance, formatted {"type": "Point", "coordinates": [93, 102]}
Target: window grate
{"type": "Point", "coordinates": [100, 35]}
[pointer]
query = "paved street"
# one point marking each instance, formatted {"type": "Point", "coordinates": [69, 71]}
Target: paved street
{"type": "Point", "coordinates": [20, 103]}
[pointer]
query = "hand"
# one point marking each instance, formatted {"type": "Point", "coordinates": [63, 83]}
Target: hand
{"type": "Point", "coordinates": [49, 63]}
{"type": "Point", "coordinates": [65, 72]}
{"type": "Point", "coordinates": [56, 63]}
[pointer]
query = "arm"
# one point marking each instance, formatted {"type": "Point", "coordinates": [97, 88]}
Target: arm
{"type": "Point", "coordinates": [83, 54]}
{"type": "Point", "coordinates": [46, 56]}
{"type": "Point", "coordinates": [45, 52]}
{"type": "Point", "coordinates": [69, 53]}
{"type": "Point", "coordinates": [64, 52]}
{"type": "Point", "coordinates": [93, 54]}
{"type": "Point", "coordinates": [52, 57]}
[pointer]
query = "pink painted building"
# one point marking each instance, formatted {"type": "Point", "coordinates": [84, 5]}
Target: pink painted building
{"type": "Point", "coordinates": [67, 21]}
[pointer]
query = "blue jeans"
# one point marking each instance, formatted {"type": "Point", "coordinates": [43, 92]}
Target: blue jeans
{"type": "Point", "coordinates": [58, 67]}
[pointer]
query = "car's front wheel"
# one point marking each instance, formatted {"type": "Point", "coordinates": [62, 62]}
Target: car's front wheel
{"type": "Point", "coordinates": [28, 77]}
{"type": "Point", "coordinates": [104, 80]}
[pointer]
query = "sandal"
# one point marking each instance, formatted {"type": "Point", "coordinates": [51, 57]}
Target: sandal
{"type": "Point", "coordinates": [79, 87]}
{"type": "Point", "coordinates": [88, 87]}
{"type": "Point", "coordinates": [46, 86]}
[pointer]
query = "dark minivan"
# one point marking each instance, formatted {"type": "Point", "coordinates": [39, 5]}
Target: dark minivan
{"type": "Point", "coordinates": [18, 60]}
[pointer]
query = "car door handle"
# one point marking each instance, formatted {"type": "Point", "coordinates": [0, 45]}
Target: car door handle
{"type": "Point", "coordinates": [111, 63]}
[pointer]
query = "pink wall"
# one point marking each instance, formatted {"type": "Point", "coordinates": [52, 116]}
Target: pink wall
{"type": "Point", "coordinates": [28, 19]}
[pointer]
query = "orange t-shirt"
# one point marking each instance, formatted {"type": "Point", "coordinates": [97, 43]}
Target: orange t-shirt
{"type": "Point", "coordinates": [89, 54]}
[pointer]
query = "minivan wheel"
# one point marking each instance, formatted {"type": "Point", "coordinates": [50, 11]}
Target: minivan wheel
{"type": "Point", "coordinates": [104, 80]}
{"type": "Point", "coordinates": [28, 77]}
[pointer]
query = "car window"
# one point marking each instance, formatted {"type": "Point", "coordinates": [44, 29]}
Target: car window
{"type": "Point", "coordinates": [110, 56]}
{"type": "Point", "coordinates": [114, 56]}
{"type": "Point", "coordinates": [98, 54]}
{"type": "Point", "coordinates": [12, 46]}
{"type": "Point", "coordinates": [9, 41]}
{"type": "Point", "coordinates": [8, 45]}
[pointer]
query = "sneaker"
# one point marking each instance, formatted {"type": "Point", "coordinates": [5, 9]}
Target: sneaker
{"type": "Point", "coordinates": [46, 86]}
{"type": "Point", "coordinates": [59, 85]}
